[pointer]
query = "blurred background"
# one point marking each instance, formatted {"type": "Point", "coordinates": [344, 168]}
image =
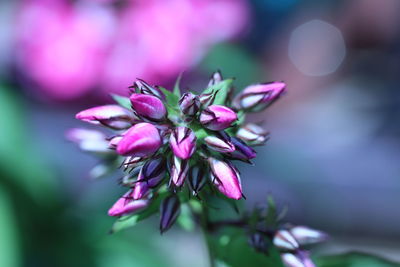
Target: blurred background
{"type": "Point", "coordinates": [333, 156]}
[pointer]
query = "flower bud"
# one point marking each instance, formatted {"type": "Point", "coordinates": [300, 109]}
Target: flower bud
{"type": "Point", "coordinates": [220, 143]}
{"type": "Point", "coordinates": [226, 178]}
{"type": "Point", "coordinates": [242, 151]}
{"type": "Point", "coordinates": [148, 107]}
{"type": "Point", "coordinates": [257, 241]}
{"type": "Point", "coordinates": [207, 99]}
{"type": "Point", "coordinates": [144, 88]}
{"type": "Point", "coordinates": [140, 140]}
{"type": "Point", "coordinates": [283, 239]}
{"type": "Point", "coordinates": [89, 140]}
{"type": "Point", "coordinates": [259, 96]}
{"type": "Point", "coordinates": [150, 175]}
{"type": "Point", "coordinates": [299, 259]}
{"type": "Point", "coordinates": [215, 78]}
{"type": "Point", "coordinates": [170, 209]}
{"type": "Point", "coordinates": [217, 117]}
{"type": "Point", "coordinates": [112, 116]}
{"type": "Point", "coordinates": [183, 142]}
{"type": "Point", "coordinates": [179, 171]}
{"type": "Point", "coordinates": [189, 104]}
{"type": "Point", "coordinates": [252, 134]}
{"type": "Point", "coordinates": [197, 178]}
{"type": "Point", "coordinates": [305, 235]}
{"type": "Point", "coordinates": [127, 205]}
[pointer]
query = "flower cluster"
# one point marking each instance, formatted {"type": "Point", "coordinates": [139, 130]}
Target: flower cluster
{"type": "Point", "coordinates": [167, 141]}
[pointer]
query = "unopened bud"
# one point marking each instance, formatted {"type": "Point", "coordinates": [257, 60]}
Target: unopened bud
{"type": "Point", "coordinates": [170, 209]}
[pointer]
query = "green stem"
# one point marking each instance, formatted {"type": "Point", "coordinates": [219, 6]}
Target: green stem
{"type": "Point", "coordinates": [204, 223]}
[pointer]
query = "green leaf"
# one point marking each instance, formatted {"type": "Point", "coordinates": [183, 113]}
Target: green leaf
{"type": "Point", "coordinates": [177, 90]}
{"type": "Point", "coordinates": [354, 259]}
{"type": "Point", "coordinates": [8, 232]}
{"type": "Point", "coordinates": [122, 101]}
{"type": "Point", "coordinates": [170, 97]}
{"type": "Point", "coordinates": [221, 89]}
{"type": "Point", "coordinates": [131, 220]}
{"type": "Point", "coordinates": [271, 218]}
{"type": "Point", "coordinates": [232, 248]}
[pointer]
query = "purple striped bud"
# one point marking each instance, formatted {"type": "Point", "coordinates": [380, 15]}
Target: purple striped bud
{"type": "Point", "coordinates": [226, 178]}
{"type": "Point", "coordinates": [215, 78]}
{"type": "Point", "coordinates": [305, 235]}
{"type": "Point", "coordinates": [140, 140]}
{"type": "Point", "coordinates": [252, 134]}
{"type": "Point", "coordinates": [179, 171]}
{"type": "Point", "coordinates": [242, 151]}
{"type": "Point", "coordinates": [89, 140]}
{"type": "Point", "coordinates": [299, 259]}
{"type": "Point", "coordinates": [220, 143]}
{"type": "Point", "coordinates": [217, 117]}
{"type": "Point", "coordinates": [112, 116]}
{"type": "Point", "coordinates": [170, 209]}
{"type": "Point", "coordinates": [189, 104]}
{"type": "Point", "coordinates": [150, 175]}
{"type": "Point", "coordinates": [148, 107]}
{"type": "Point", "coordinates": [207, 99]}
{"type": "Point", "coordinates": [144, 88]}
{"type": "Point", "coordinates": [127, 205]}
{"type": "Point", "coordinates": [197, 179]}
{"type": "Point", "coordinates": [259, 96]}
{"type": "Point", "coordinates": [283, 239]}
{"type": "Point", "coordinates": [183, 142]}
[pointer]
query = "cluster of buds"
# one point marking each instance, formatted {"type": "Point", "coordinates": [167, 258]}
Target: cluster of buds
{"type": "Point", "coordinates": [165, 140]}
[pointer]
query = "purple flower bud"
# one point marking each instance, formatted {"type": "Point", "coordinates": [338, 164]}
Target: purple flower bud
{"type": "Point", "coordinates": [132, 162]}
{"type": "Point", "coordinates": [220, 143]}
{"type": "Point", "coordinates": [217, 117]}
{"type": "Point", "coordinates": [299, 259]}
{"type": "Point", "coordinates": [215, 78]}
{"type": "Point", "coordinates": [259, 96]}
{"type": "Point", "coordinates": [197, 178]}
{"type": "Point", "coordinates": [127, 205]}
{"type": "Point", "coordinates": [179, 171]}
{"type": "Point", "coordinates": [189, 104]}
{"type": "Point", "coordinates": [148, 107]}
{"type": "Point", "coordinates": [170, 209]}
{"type": "Point", "coordinates": [305, 235]}
{"type": "Point", "coordinates": [283, 239]}
{"type": "Point", "coordinates": [144, 88]}
{"type": "Point", "coordinates": [252, 134]}
{"type": "Point", "coordinates": [140, 140]}
{"type": "Point", "coordinates": [226, 178]}
{"type": "Point", "coordinates": [207, 99]}
{"type": "Point", "coordinates": [183, 142]}
{"type": "Point", "coordinates": [242, 151]}
{"type": "Point", "coordinates": [257, 241]}
{"type": "Point", "coordinates": [89, 140]}
{"type": "Point", "coordinates": [150, 175]}
{"type": "Point", "coordinates": [112, 116]}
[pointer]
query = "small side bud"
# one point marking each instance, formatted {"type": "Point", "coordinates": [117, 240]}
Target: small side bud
{"type": "Point", "coordinates": [242, 151]}
{"type": "Point", "coordinates": [183, 142]}
{"type": "Point", "coordinates": [179, 171]}
{"type": "Point", "coordinates": [299, 259]}
{"type": "Point", "coordinates": [197, 179]}
{"type": "Point", "coordinates": [150, 175]}
{"type": "Point", "coordinates": [283, 239]}
{"type": "Point", "coordinates": [220, 143]}
{"type": "Point", "coordinates": [217, 117]}
{"type": "Point", "coordinates": [215, 78]}
{"type": "Point", "coordinates": [144, 88]}
{"type": "Point", "coordinates": [170, 209]}
{"type": "Point", "coordinates": [148, 107]}
{"type": "Point", "coordinates": [189, 104]}
{"type": "Point", "coordinates": [113, 116]}
{"type": "Point", "coordinates": [305, 235]}
{"type": "Point", "coordinates": [257, 241]}
{"type": "Point", "coordinates": [252, 134]}
{"type": "Point", "coordinates": [127, 205]}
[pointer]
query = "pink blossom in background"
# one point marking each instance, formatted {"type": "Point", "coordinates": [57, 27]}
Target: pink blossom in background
{"type": "Point", "coordinates": [67, 49]}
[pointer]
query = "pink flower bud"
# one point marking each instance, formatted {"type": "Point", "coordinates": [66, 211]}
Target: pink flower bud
{"type": "Point", "coordinates": [170, 209]}
{"type": "Point", "coordinates": [113, 116]}
{"type": "Point", "coordinates": [226, 178]}
{"type": "Point", "coordinates": [148, 107]}
{"type": "Point", "coordinates": [252, 134]}
{"type": "Point", "coordinates": [189, 104]}
{"type": "Point", "coordinates": [217, 117]}
{"type": "Point", "coordinates": [140, 140]}
{"type": "Point", "coordinates": [299, 259]}
{"type": "Point", "coordinates": [220, 143]}
{"type": "Point", "coordinates": [89, 140]}
{"type": "Point", "coordinates": [127, 205]}
{"type": "Point", "coordinates": [259, 96]}
{"type": "Point", "coordinates": [183, 142]}
{"type": "Point", "coordinates": [144, 88]}
{"type": "Point", "coordinates": [215, 78]}
{"type": "Point", "coordinates": [283, 239]}
{"type": "Point", "coordinates": [242, 151]}
{"type": "Point", "coordinates": [305, 235]}
{"type": "Point", "coordinates": [151, 174]}
{"type": "Point", "coordinates": [179, 171]}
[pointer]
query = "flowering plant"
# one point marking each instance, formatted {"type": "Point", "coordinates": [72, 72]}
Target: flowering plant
{"type": "Point", "coordinates": [177, 152]}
